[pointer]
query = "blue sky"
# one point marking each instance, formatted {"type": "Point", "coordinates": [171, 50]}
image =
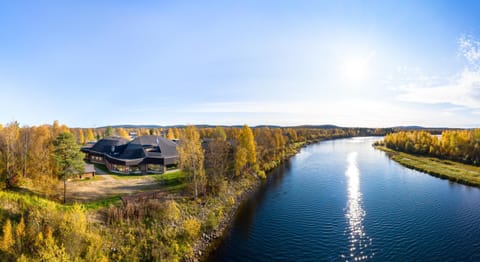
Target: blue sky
{"type": "Point", "coordinates": [349, 63]}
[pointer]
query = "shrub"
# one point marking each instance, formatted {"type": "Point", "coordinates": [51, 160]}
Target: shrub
{"type": "Point", "coordinates": [191, 228]}
{"type": "Point", "coordinates": [212, 221]}
{"type": "Point", "coordinates": [171, 211]}
{"type": "Point", "coordinates": [262, 175]}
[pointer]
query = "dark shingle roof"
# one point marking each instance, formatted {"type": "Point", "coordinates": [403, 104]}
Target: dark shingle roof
{"type": "Point", "coordinates": [141, 147]}
{"type": "Point", "coordinates": [105, 145]}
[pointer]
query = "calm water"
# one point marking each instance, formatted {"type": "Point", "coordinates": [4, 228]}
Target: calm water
{"type": "Point", "coordinates": [342, 200]}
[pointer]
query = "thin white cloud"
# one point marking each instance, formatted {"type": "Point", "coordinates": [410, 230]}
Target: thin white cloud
{"type": "Point", "coordinates": [470, 49]}
{"type": "Point", "coordinates": [462, 89]}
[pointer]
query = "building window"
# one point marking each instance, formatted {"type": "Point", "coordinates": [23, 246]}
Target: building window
{"type": "Point", "coordinates": [154, 168]}
{"type": "Point", "coordinates": [120, 168]}
{"type": "Point", "coordinates": [135, 169]}
{"type": "Point", "coordinates": [96, 158]}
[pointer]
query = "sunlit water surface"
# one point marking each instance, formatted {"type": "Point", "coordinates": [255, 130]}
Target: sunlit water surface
{"type": "Point", "coordinates": [342, 200]}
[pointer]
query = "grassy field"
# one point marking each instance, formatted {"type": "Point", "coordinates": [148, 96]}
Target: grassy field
{"type": "Point", "coordinates": [453, 171]}
{"type": "Point", "coordinates": [102, 203]}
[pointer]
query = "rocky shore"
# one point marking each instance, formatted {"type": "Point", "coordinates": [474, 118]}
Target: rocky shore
{"type": "Point", "coordinates": [210, 241]}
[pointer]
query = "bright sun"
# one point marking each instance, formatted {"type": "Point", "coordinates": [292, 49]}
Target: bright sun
{"type": "Point", "coordinates": [356, 70]}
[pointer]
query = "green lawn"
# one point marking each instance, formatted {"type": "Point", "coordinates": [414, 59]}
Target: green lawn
{"type": "Point", "coordinates": [94, 205]}
{"type": "Point", "coordinates": [454, 171]}
{"type": "Point", "coordinates": [173, 181]}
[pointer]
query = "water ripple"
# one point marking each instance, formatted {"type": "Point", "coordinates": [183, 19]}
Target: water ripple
{"type": "Point", "coordinates": [358, 238]}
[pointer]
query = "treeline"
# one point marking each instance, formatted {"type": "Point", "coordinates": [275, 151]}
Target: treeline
{"type": "Point", "coordinates": [227, 153]}
{"type": "Point", "coordinates": [457, 145]}
{"type": "Point", "coordinates": [27, 152]}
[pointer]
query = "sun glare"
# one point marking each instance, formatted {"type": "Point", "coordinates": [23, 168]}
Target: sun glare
{"type": "Point", "coordinates": [356, 70]}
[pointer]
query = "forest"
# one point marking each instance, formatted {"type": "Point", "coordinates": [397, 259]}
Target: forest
{"type": "Point", "coordinates": [456, 145]}
{"type": "Point", "coordinates": [219, 165]}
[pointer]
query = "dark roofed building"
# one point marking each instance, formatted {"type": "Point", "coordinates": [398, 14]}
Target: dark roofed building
{"type": "Point", "coordinates": [144, 154]}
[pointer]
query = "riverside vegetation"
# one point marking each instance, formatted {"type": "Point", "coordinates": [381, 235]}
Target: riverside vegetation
{"type": "Point", "coordinates": [219, 167]}
{"type": "Point", "coordinates": [455, 155]}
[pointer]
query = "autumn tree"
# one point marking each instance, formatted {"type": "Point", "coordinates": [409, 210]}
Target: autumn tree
{"type": "Point", "coordinates": [170, 134]}
{"type": "Point", "coordinates": [25, 141]}
{"type": "Point", "coordinates": [192, 157]}
{"type": "Point", "coordinates": [41, 166]}
{"type": "Point", "coordinates": [123, 133]}
{"type": "Point", "coordinates": [247, 141]}
{"type": "Point", "coordinates": [216, 159]}
{"type": "Point", "coordinates": [245, 150]}
{"type": "Point", "coordinates": [9, 153]}
{"type": "Point", "coordinates": [176, 132]}
{"type": "Point", "coordinates": [279, 143]}
{"type": "Point", "coordinates": [81, 137]}
{"type": "Point", "coordinates": [20, 235]}
{"type": "Point", "coordinates": [90, 135]}
{"type": "Point", "coordinates": [68, 158]}
{"type": "Point", "coordinates": [7, 239]}
{"type": "Point", "coordinates": [240, 160]}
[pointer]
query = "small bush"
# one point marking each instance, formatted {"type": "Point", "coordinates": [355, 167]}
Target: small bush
{"type": "Point", "coordinates": [262, 175]}
{"type": "Point", "coordinates": [191, 228]}
{"type": "Point", "coordinates": [171, 211]}
{"type": "Point", "coordinates": [231, 200]}
{"type": "Point", "coordinates": [212, 221]}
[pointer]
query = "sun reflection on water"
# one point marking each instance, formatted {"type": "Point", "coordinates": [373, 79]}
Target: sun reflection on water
{"type": "Point", "coordinates": [359, 241]}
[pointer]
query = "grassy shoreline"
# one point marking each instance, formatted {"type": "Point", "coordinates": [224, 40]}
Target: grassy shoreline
{"type": "Point", "coordinates": [446, 169]}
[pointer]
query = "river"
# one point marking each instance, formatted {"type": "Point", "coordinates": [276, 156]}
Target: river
{"type": "Point", "coordinates": [342, 200]}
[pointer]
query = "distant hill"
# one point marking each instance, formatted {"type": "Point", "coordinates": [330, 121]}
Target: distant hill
{"type": "Point", "coordinates": [405, 128]}
{"type": "Point", "coordinates": [318, 126]}
{"type": "Point", "coordinates": [411, 127]}
{"type": "Point", "coordinates": [213, 126]}
{"type": "Point", "coordinates": [160, 126]}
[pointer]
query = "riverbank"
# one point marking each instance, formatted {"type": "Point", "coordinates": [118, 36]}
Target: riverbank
{"type": "Point", "coordinates": [208, 242]}
{"type": "Point", "coordinates": [446, 169]}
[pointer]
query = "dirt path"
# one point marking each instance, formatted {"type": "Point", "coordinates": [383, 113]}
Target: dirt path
{"type": "Point", "coordinates": [105, 186]}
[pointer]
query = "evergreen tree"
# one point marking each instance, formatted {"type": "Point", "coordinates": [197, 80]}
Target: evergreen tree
{"type": "Point", "coordinates": [68, 158]}
{"type": "Point", "coordinates": [108, 131]}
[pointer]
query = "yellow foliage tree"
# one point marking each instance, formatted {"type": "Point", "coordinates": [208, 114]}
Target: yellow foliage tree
{"type": "Point", "coordinates": [176, 133]}
{"type": "Point", "coordinates": [191, 157]}
{"type": "Point", "coordinates": [20, 234]}
{"type": "Point", "coordinates": [49, 251]}
{"type": "Point", "coordinates": [240, 160]}
{"type": "Point", "coordinates": [81, 137]}
{"type": "Point", "coordinates": [247, 141]}
{"type": "Point", "coordinates": [7, 239]}
{"type": "Point", "coordinates": [90, 135]}
{"type": "Point", "coordinates": [123, 133]}
{"type": "Point", "coordinates": [170, 134]}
